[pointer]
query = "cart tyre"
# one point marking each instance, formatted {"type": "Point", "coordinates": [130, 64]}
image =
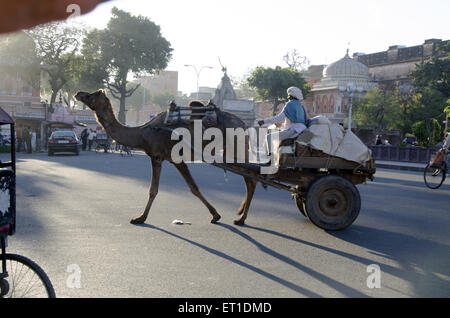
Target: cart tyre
{"type": "Point", "coordinates": [300, 202]}
{"type": "Point", "coordinates": [332, 202]}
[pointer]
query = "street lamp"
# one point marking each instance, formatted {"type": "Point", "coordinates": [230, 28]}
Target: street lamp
{"type": "Point", "coordinates": [198, 73]}
{"type": "Point", "coordinates": [350, 89]}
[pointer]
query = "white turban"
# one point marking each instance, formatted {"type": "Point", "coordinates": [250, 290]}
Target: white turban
{"type": "Point", "coordinates": [295, 92]}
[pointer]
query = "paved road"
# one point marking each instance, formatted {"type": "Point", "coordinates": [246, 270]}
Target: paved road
{"type": "Point", "coordinates": [74, 212]}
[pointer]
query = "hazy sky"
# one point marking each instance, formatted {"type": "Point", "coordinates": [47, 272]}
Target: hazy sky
{"type": "Point", "coordinates": [249, 33]}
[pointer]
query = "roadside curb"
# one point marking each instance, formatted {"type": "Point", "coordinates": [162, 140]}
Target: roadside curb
{"type": "Point", "coordinates": [398, 167]}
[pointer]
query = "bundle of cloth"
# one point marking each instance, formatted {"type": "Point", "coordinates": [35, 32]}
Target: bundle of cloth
{"type": "Point", "coordinates": [330, 139]}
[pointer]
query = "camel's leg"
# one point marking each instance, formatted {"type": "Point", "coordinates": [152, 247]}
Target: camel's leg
{"type": "Point", "coordinates": [245, 206]}
{"type": "Point", "coordinates": [156, 172]}
{"type": "Point", "coordinates": [183, 169]}
{"type": "Point", "coordinates": [242, 207]}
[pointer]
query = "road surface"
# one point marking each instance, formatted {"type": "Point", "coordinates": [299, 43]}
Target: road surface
{"type": "Point", "coordinates": [74, 212]}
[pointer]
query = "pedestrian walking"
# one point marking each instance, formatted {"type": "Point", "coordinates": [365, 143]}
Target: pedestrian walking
{"type": "Point", "coordinates": [91, 137]}
{"type": "Point", "coordinates": [19, 136]}
{"type": "Point", "coordinates": [84, 136]}
{"type": "Point", "coordinates": [27, 138]}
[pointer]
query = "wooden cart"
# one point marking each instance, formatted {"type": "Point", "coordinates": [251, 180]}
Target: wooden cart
{"type": "Point", "coordinates": [323, 186]}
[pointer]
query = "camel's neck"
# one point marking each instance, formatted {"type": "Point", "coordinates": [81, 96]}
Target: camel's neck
{"type": "Point", "coordinates": [128, 136]}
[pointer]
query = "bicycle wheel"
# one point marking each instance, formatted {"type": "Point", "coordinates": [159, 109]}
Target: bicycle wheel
{"type": "Point", "coordinates": [434, 177]}
{"type": "Point", "coordinates": [26, 279]}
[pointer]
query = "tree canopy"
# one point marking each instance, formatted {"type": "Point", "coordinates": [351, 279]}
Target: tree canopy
{"type": "Point", "coordinates": [18, 57]}
{"type": "Point", "coordinates": [56, 44]}
{"type": "Point", "coordinates": [272, 83]}
{"type": "Point", "coordinates": [415, 109]}
{"type": "Point", "coordinates": [128, 46]}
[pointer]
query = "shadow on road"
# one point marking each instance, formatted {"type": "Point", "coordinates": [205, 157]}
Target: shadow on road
{"type": "Point", "coordinates": [236, 261]}
{"type": "Point", "coordinates": [346, 290]}
{"type": "Point", "coordinates": [428, 275]}
{"type": "Point", "coordinates": [422, 263]}
{"type": "Point", "coordinates": [338, 286]}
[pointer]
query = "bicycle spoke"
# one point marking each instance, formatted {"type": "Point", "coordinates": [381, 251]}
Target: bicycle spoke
{"type": "Point", "coordinates": [26, 279]}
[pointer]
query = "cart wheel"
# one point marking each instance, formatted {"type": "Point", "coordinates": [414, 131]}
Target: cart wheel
{"type": "Point", "coordinates": [300, 202]}
{"type": "Point", "coordinates": [332, 202]}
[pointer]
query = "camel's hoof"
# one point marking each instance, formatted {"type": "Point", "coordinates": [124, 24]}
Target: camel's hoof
{"type": "Point", "coordinates": [239, 222]}
{"type": "Point", "coordinates": [137, 220]}
{"type": "Point", "coordinates": [215, 218]}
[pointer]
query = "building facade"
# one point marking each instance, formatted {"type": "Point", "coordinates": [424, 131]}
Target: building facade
{"type": "Point", "coordinates": [163, 82]}
{"type": "Point", "coordinates": [23, 103]}
{"type": "Point", "coordinates": [330, 97]}
{"type": "Point", "coordinates": [391, 68]}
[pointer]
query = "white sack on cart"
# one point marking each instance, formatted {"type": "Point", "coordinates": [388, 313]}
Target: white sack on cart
{"type": "Point", "coordinates": [334, 140]}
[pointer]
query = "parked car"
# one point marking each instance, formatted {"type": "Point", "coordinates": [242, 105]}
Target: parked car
{"type": "Point", "coordinates": [64, 141]}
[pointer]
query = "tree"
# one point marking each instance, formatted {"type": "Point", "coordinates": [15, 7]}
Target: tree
{"type": "Point", "coordinates": [431, 82]}
{"type": "Point", "coordinates": [435, 73]}
{"type": "Point", "coordinates": [82, 74]}
{"type": "Point", "coordinates": [427, 132]}
{"type": "Point", "coordinates": [272, 83]}
{"type": "Point", "coordinates": [19, 58]}
{"type": "Point", "coordinates": [56, 44]}
{"type": "Point", "coordinates": [130, 45]}
{"type": "Point", "coordinates": [295, 61]}
{"type": "Point", "coordinates": [387, 108]}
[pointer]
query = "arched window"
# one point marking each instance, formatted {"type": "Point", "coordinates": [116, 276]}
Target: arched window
{"type": "Point", "coordinates": [332, 102]}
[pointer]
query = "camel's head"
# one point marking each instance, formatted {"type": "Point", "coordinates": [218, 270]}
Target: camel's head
{"type": "Point", "coordinates": [95, 101]}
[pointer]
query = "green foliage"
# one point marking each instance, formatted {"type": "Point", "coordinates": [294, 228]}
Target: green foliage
{"type": "Point", "coordinates": [377, 109]}
{"type": "Point", "coordinates": [427, 132]}
{"type": "Point", "coordinates": [272, 83]}
{"type": "Point", "coordinates": [5, 149]}
{"type": "Point", "coordinates": [431, 80]}
{"type": "Point", "coordinates": [82, 74]}
{"type": "Point", "coordinates": [130, 45]}
{"type": "Point", "coordinates": [447, 108]}
{"type": "Point", "coordinates": [434, 74]}
{"type": "Point", "coordinates": [418, 107]}
{"type": "Point", "coordinates": [56, 44]}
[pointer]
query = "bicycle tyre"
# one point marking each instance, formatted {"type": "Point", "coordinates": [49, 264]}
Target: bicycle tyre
{"type": "Point", "coordinates": [434, 181]}
{"type": "Point", "coordinates": [16, 277]}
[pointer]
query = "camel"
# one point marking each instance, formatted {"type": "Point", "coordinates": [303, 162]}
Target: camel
{"type": "Point", "coordinates": [156, 142]}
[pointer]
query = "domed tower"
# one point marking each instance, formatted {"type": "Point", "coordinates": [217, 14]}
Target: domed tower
{"type": "Point", "coordinates": [341, 79]}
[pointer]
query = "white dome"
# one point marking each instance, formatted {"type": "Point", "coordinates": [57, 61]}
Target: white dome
{"type": "Point", "coordinates": [346, 69]}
